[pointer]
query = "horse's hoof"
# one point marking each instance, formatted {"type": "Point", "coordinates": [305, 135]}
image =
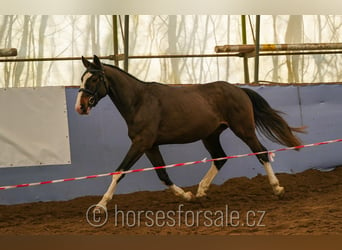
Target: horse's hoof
{"type": "Point", "coordinates": [201, 195]}
{"type": "Point", "coordinates": [99, 209]}
{"type": "Point", "coordinates": [188, 196]}
{"type": "Point", "coordinates": [280, 192]}
{"type": "Point", "coordinates": [203, 198]}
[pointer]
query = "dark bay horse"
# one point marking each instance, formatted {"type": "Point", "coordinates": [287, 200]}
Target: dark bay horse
{"type": "Point", "coordinates": [159, 114]}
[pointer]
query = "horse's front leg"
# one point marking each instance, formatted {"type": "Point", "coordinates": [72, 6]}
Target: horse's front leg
{"type": "Point", "coordinates": [110, 191]}
{"type": "Point", "coordinates": [134, 153]}
{"type": "Point", "coordinates": [157, 160]}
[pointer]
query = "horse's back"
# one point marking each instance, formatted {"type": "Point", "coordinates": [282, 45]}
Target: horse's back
{"type": "Point", "coordinates": [214, 97]}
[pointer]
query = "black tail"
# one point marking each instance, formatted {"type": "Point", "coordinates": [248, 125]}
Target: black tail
{"type": "Point", "coordinates": [270, 123]}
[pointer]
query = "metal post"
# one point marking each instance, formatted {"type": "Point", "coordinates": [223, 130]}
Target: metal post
{"type": "Point", "coordinates": [115, 39]}
{"type": "Point", "coordinates": [257, 48]}
{"type": "Point", "coordinates": [244, 41]}
{"type": "Point", "coordinates": [126, 45]}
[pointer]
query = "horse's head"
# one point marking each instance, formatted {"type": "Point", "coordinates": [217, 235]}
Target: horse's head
{"type": "Point", "coordinates": [93, 88]}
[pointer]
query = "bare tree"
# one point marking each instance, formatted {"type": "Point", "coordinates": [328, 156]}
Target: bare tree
{"type": "Point", "coordinates": [41, 49]}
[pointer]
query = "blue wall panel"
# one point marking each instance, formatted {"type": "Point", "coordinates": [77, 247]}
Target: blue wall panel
{"type": "Point", "coordinates": [99, 142]}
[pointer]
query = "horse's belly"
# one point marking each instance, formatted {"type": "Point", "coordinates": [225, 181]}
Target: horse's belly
{"type": "Point", "coordinates": [187, 131]}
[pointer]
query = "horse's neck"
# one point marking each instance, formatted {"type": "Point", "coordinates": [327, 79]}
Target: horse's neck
{"type": "Point", "coordinates": [124, 91]}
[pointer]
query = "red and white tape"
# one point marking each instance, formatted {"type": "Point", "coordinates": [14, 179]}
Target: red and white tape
{"type": "Point", "coordinates": [168, 166]}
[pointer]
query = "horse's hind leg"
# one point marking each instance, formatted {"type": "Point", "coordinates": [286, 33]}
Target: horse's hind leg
{"type": "Point", "coordinates": [213, 145]}
{"type": "Point", "coordinates": [156, 159]}
{"type": "Point", "coordinates": [277, 189]}
{"type": "Point", "coordinates": [250, 138]}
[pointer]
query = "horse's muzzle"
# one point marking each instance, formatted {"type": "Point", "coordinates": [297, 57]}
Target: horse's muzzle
{"type": "Point", "coordinates": [83, 109]}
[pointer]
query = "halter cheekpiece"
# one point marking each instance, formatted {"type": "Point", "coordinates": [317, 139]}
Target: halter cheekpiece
{"type": "Point", "coordinates": [94, 98]}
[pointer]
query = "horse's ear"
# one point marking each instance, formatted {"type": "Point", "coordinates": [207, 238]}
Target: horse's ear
{"type": "Point", "coordinates": [97, 62]}
{"type": "Point", "coordinates": [86, 63]}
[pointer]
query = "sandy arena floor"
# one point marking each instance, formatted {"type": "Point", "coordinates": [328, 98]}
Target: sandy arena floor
{"type": "Point", "coordinates": [312, 206]}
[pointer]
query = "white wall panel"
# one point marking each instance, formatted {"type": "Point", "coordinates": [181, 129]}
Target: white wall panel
{"type": "Point", "coordinates": [33, 127]}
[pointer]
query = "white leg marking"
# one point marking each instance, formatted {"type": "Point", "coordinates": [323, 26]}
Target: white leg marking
{"type": "Point", "coordinates": [110, 191]}
{"type": "Point", "coordinates": [180, 192]}
{"type": "Point", "coordinates": [206, 181]}
{"type": "Point", "coordinates": [277, 189]}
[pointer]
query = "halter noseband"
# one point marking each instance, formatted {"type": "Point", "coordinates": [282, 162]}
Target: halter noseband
{"type": "Point", "coordinates": [93, 99]}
